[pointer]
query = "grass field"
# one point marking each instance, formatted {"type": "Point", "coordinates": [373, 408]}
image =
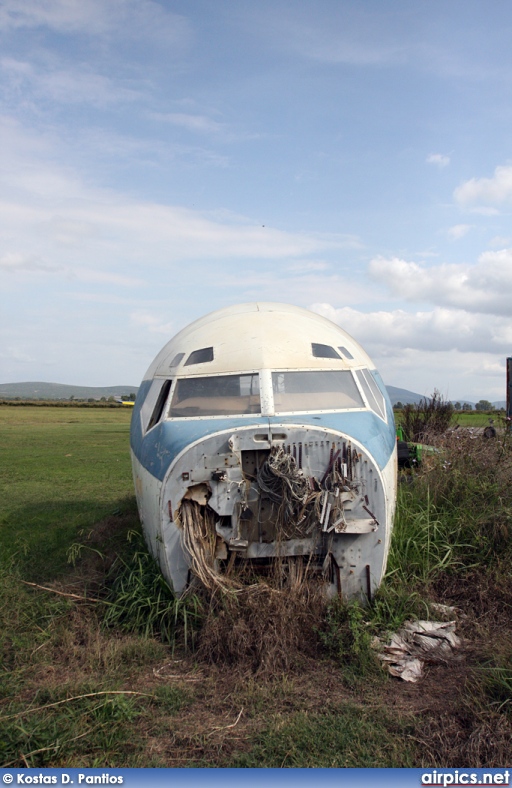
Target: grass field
{"type": "Point", "coordinates": [468, 419]}
{"type": "Point", "coordinates": [83, 685]}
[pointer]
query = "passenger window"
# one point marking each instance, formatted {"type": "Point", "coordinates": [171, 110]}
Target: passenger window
{"type": "Point", "coordinates": [217, 395]}
{"type": "Point", "coordinates": [318, 390]}
{"type": "Point", "coordinates": [372, 392]}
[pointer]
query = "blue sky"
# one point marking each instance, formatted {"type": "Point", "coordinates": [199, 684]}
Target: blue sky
{"type": "Point", "coordinates": [162, 159]}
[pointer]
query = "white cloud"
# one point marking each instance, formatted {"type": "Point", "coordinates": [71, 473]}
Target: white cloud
{"type": "Point", "coordinates": [495, 190]}
{"type": "Point", "coordinates": [55, 223]}
{"type": "Point", "coordinates": [483, 287]}
{"type": "Point", "coordinates": [105, 277]}
{"type": "Point", "coordinates": [196, 123]}
{"type": "Point", "coordinates": [439, 159]}
{"type": "Point", "coordinates": [155, 324]}
{"type": "Point", "coordinates": [451, 350]}
{"type": "Point", "coordinates": [69, 85]}
{"type": "Point", "coordinates": [500, 241]}
{"type": "Point", "coordinates": [16, 262]}
{"type": "Point", "coordinates": [304, 266]}
{"type": "Point", "coordinates": [15, 354]}
{"type": "Point", "coordinates": [439, 329]}
{"type": "Point", "coordinates": [125, 18]}
{"type": "Point", "coordinates": [459, 231]}
{"type": "Point", "coordinates": [350, 35]}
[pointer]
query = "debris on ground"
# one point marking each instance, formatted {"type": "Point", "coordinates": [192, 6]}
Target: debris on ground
{"type": "Point", "coordinates": [416, 643]}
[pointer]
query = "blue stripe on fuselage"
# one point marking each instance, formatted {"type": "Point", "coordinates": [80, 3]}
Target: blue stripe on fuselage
{"type": "Point", "coordinates": [363, 426]}
{"type": "Point", "coordinates": [161, 445]}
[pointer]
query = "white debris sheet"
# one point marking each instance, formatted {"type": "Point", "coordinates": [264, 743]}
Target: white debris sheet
{"type": "Point", "coordinates": [415, 643]}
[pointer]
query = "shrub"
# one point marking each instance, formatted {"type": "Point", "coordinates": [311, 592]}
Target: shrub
{"type": "Point", "coordinates": [427, 418]}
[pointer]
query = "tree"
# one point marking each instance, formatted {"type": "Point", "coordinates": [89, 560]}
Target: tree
{"type": "Point", "coordinates": [397, 406]}
{"type": "Point", "coordinates": [467, 406]}
{"type": "Point", "coordinates": [484, 404]}
{"type": "Point", "coordinates": [457, 405]}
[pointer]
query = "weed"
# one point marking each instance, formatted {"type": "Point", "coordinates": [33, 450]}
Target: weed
{"type": "Point", "coordinates": [76, 549]}
{"type": "Point", "coordinates": [497, 685]}
{"type": "Point", "coordinates": [431, 416]}
{"type": "Point", "coordinates": [139, 599]}
{"type": "Point", "coordinates": [346, 636]}
{"type": "Point", "coordinates": [346, 736]}
{"type": "Point", "coordinates": [426, 541]}
{"type": "Point", "coordinates": [56, 734]}
{"type": "Point", "coordinates": [172, 699]}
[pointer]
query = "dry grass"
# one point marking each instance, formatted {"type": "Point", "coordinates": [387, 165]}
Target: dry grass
{"type": "Point", "coordinates": [265, 629]}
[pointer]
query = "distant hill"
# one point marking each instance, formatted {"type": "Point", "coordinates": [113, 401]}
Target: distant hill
{"type": "Point", "coordinates": [39, 390]}
{"type": "Point", "coordinates": [403, 395]}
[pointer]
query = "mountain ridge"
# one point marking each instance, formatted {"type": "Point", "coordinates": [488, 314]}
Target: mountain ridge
{"type": "Point", "coordinates": [44, 390]}
{"type": "Point", "coordinates": [48, 391]}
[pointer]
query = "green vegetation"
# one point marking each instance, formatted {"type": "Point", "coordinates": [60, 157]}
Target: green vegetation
{"type": "Point", "coordinates": [102, 668]}
{"type": "Point", "coordinates": [426, 419]}
{"type": "Point", "coordinates": [63, 472]}
{"type": "Point", "coordinates": [140, 600]}
{"type": "Point", "coordinates": [351, 736]}
{"type": "Point", "coordinates": [463, 418]}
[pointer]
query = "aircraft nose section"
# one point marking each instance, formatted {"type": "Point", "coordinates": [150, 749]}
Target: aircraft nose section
{"type": "Point", "coordinates": [255, 495]}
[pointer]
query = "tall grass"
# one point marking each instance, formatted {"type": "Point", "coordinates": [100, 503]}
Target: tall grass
{"type": "Point", "coordinates": [140, 600]}
{"type": "Point", "coordinates": [431, 416]}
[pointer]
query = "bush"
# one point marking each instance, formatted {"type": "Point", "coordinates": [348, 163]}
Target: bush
{"type": "Point", "coordinates": [427, 418]}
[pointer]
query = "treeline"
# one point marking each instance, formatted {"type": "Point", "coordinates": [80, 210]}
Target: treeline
{"type": "Point", "coordinates": [483, 406]}
{"type": "Point", "coordinates": [62, 403]}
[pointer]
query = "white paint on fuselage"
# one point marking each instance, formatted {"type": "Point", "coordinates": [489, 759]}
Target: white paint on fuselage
{"type": "Point", "coordinates": [262, 338]}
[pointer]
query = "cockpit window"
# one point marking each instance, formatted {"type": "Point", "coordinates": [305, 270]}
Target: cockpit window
{"type": "Point", "coordinates": [218, 395]}
{"type": "Point", "coordinates": [372, 392]}
{"type": "Point", "coordinates": [324, 351]}
{"type": "Point", "coordinates": [345, 352]}
{"type": "Point", "coordinates": [200, 356]}
{"type": "Point", "coordinates": [176, 360]}
{"type": "Point", "coordinates": [153, 405]}
{"type": "Point", "coordinates": [318, 390]}
{"type": "Point", "coordinates": [159, 405]}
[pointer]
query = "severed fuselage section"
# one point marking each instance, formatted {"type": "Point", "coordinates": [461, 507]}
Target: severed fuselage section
{"type": "Point", "coordinates": [257, 496]}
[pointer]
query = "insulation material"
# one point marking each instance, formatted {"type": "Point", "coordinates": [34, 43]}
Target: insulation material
{"type": "Point", "coordinates": [416, 643]}
{"type": "Point", "coordinates": [302, 507]}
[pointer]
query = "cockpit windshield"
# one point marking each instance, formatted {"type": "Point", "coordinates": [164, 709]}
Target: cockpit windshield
{"type": "Point", "coordinates": [315, 390]}
{"type": "Point", "coordinates": [216, 395]}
